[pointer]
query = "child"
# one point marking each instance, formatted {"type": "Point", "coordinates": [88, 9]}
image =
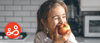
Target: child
{"type": "Point", "coordinates": [50, 15]}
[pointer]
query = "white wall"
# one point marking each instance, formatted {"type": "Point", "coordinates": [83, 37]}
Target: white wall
{"type": "Point", "coordinates": [21, 11]}
{"type": "Point", "coordinates": [90, 5]}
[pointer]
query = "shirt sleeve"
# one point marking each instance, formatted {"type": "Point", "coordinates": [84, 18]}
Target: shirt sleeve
{"type": "Point", "coordinates": [72, 39]}
{"type": "Point", "coordinates": [37, 39]}
{"type": "Point", "coordinates": [40, 37]}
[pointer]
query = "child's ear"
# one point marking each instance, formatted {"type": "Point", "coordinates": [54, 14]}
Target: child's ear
{"type": "Point", "coordinates": [42, 21]}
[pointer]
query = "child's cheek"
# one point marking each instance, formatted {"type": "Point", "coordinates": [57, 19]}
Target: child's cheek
{"type": "Point", "coordinates": [55, 23]}
{"type": "Point", "coordinates": [65, 21]}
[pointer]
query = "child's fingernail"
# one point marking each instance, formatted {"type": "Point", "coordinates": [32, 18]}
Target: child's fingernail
{"type": "Point", "coordinates": [68, 31]}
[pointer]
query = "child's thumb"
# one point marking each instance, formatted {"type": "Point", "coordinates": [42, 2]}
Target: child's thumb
{"type": "Point", "coordinates": [57, 31]}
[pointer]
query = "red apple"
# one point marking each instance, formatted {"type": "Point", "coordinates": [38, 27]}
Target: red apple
{"type": "Point", "coordinates": [63, 28]}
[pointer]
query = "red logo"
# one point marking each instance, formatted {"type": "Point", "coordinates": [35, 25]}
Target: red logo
{"type": "Point", "coordinates": [12, 30]}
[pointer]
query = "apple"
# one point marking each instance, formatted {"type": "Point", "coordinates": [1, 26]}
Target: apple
{"type": "Point", "coordinates": [63, 28]}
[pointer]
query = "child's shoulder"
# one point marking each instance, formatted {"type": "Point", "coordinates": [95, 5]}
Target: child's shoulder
{"type": "Point", "coordinates": [42, 37]}
{"type": "Point", "coordinates": [41, 34]}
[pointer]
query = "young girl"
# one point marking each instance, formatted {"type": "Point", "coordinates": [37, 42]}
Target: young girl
{"type": "Point", "coordinates": [52, 14]}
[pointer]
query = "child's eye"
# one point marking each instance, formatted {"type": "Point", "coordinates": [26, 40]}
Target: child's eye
{"type": "Point", "coordinates": [55, 18]}
{"type": "Point", "coordinates": [64, 16]}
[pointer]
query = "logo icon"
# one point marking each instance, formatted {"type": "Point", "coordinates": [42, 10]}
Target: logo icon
{"type": "Point", "coordinates": [12, 30]}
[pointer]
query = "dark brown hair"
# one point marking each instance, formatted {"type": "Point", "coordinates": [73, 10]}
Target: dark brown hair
{"type": "Point", "coordinates": [43, 12]}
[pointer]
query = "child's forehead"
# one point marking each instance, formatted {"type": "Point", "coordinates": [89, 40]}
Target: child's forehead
{"type": "Point", "coordinates": [57, 10]}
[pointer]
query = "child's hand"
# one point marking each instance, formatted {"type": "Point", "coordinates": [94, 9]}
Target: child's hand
{"type": "Point", "coordinates": [61, 38]}
{"type": "Point", "coordinates": [69, 42]}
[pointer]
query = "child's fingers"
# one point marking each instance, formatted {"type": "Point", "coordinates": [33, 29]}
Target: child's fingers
{"type": "Point", "coordinates": [52, 37]}
{"type": "Point", "coordinates": [56, 31]}
{"type": "Point", "coordinates": [68, 33]}
{"type": "Point", "coordinates": [69, 42]}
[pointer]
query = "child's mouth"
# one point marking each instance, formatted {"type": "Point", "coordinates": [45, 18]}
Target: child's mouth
{"type": "Point", "coordinates": [57, 26]}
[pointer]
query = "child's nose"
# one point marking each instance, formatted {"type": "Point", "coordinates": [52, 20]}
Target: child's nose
{"type": "Point", "coordinates": [61, 21]}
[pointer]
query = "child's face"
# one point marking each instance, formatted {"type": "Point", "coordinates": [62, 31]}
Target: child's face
{"type": "Point", "coordinates": [56, 17]}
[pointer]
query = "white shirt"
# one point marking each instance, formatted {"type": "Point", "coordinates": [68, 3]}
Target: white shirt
{"type": "Point", "coordinates": [41, 37]}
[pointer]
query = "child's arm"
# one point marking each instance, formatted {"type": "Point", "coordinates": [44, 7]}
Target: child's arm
{"type": "Point", "coordinates": [66, 38]}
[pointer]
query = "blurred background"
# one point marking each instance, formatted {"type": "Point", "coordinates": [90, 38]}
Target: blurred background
{"type": "Point", "coordinates": [83, 18]}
